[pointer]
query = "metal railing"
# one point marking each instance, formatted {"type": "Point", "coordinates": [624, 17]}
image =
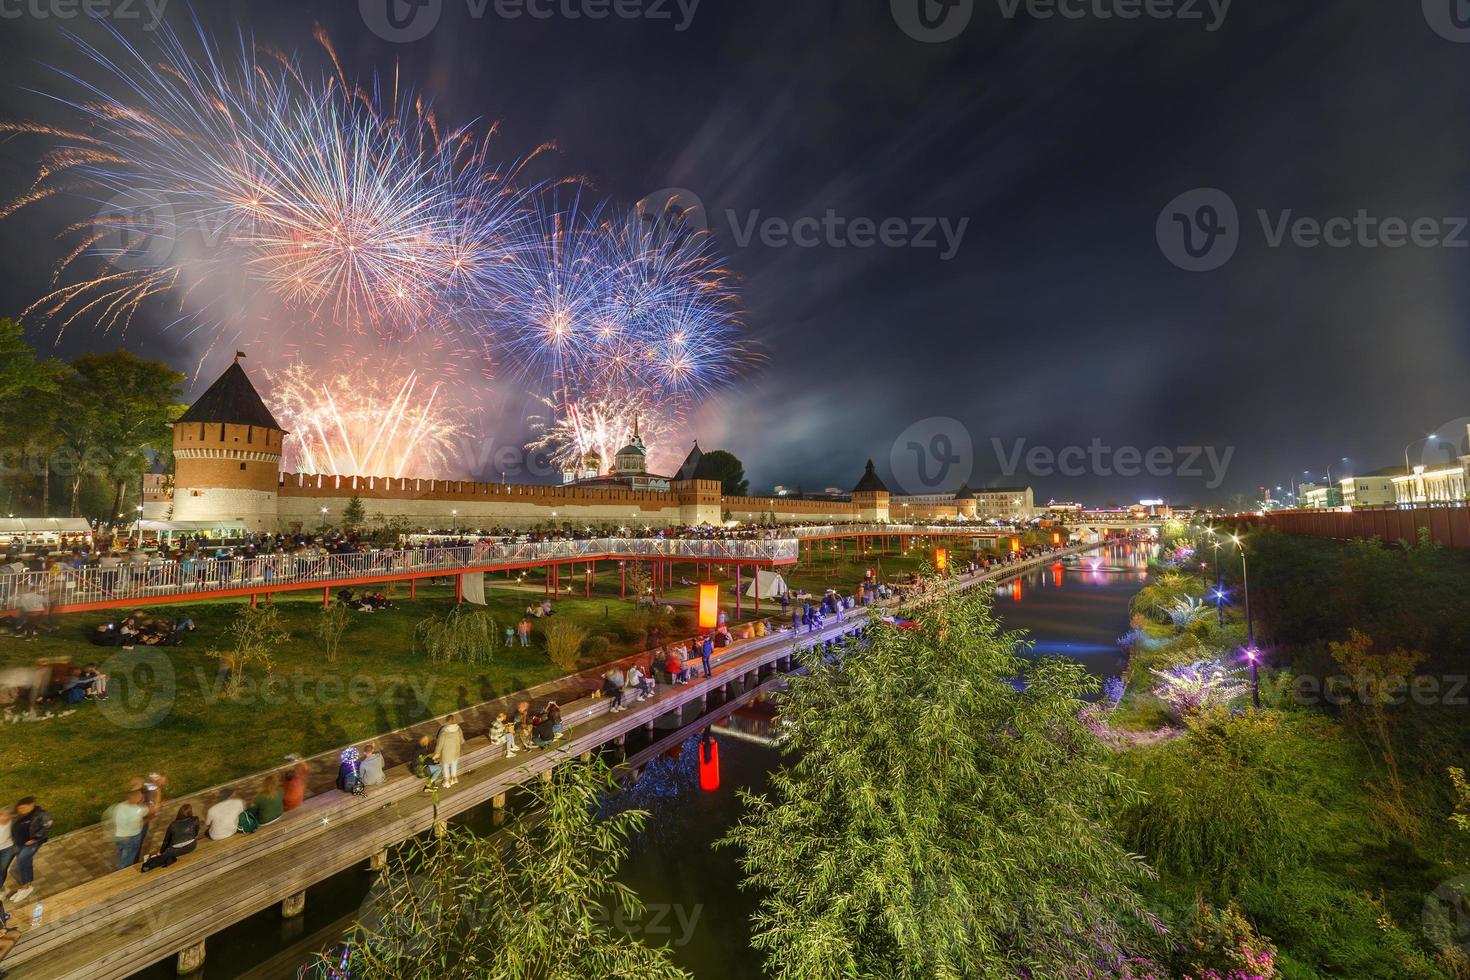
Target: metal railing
{"type": "Point", "coordinates": [830, 530]}
{"type": "Point", "coordinates": [156, 578]}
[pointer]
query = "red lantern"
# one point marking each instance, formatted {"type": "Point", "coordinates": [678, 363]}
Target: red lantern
{"type": "Point", "coordinates": [1015, 545]}
{"type": "Point", "coordinates": [709, 765]}
{"type": "Point", "coordinates": [941, 559]}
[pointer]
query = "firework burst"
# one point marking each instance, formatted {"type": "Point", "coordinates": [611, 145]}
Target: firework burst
{"type": "Point", "coordinates": [241, 177]}
{"type": "Point", "coordinates": [624, 319]}
{"type": "Point", "coordinates": [367, 422]}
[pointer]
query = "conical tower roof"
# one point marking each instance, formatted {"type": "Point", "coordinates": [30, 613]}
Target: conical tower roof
{"type": "Point", "coordinates": [232, 399]}
{"type": "Point", "coordinates": [870, 482]}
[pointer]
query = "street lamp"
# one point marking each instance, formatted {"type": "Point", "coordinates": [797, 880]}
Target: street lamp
{"type": "Point", "coordinates": [1251, 652]}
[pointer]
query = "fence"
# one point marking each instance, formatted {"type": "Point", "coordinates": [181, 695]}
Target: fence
{"type": "Point", "coordinates": [1447, 525]}
{"type": "Point", "coordinates": [196, 578]}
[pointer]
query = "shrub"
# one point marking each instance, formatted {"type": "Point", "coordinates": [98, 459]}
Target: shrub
{"type": "Point", "coordinates": [683, 621]}
{"type": "Point", "coordinates": [330, 627]}
{"type": "Point", "coordinates": [564, 640]}
{"type": "Point", "coordinates": [1192, 688]}
{"type": "Point", "coordinates": [595, 648]}
{"type": "Point", "coordinates": [1223, 945]}
{"type": "Point", "coordinates": [467, 637]}
{"type": "Point", "coordinates": [1225, 803]}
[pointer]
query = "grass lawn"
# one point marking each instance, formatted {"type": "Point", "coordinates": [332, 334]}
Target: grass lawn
{"type": "Point", "coordinates": [79, 764]}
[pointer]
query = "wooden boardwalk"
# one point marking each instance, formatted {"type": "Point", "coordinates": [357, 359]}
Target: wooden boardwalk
{"type": "Point", "coordinates": [121, 922]}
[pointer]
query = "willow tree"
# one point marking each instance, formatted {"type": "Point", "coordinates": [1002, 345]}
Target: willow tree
{"type": "Point", "coordinates": [533, 901]}
{"type": "Point", "coordinates": [935, 818]}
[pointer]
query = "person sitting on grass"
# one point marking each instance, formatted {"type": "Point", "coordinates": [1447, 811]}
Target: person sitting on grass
{"type": "Point", "coordinates": [268, 804]}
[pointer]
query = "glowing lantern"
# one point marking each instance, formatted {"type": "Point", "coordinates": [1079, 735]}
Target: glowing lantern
{"type": "Point", "coordinates": [709, 605]}
{"type": "Point", "coordinates": [1056, 537]}
{"type": "Point", "coordinates": [941, 559]}
{"type": "Point", "coordinates": [709, 764]}
{"type": "Point", "coordinates": [1015, 545]}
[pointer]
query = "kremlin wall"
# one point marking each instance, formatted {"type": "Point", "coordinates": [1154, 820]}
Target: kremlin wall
{"type": "Point", "coordinates": [227, 469]}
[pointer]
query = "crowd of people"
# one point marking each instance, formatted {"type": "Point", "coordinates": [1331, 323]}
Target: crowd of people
{"type": "Point", "coordinates": [52, 687]}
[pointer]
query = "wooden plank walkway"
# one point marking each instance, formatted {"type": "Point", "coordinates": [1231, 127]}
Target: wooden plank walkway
{"type": "Point", "coordinates": [120, 922]}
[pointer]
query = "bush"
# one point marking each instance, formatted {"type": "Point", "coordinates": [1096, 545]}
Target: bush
{"type": "Point", "coordinates": [595, 648]}
{"type": "Point", "coordinates": [1223, 944]}
{"type": "Point", "coordinates": [1190, 689]}
{"type": "Point", "coordinates": [564, 640]}
{"type": "Point", "coordinates": [1224, 805]}
{"type": "Point", "coordinates": [466, 637]}
{"type": "Point", "coordinates": [683, 621]}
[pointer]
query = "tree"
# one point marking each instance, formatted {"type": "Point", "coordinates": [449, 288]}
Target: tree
{"type": "Point", "coordinates": [353, 514]}
{"type": "Point", "coordinates": [529, 903]}
{"type": "Point", "coordinates": [728, 469]}
{"type": "Point", "coordinates": [27, 410]}
{"type": "Point", "coordinates": [254, 636]}
{"type": "Point", "coordinates": [126, 404]}
{"type": "Point", "coordinates": [330, 627]}
{"type": "Point", "coordinates": [932, 820]}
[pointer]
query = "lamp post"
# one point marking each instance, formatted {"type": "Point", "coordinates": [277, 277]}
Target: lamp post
{"type": "Point", "coordinates": [1409, 469]}
{"type": "Point", "coordinates": [1252, 654]}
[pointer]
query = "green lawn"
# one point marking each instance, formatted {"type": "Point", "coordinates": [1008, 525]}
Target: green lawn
{"type": "Point", "coordinates": [80, 763]}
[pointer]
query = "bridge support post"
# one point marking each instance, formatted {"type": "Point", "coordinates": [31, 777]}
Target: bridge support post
{"type": "Point", "coordinates": [294, 906]}
{"type": "Point", "coordinates": [679, 715]}
{"type": "Point", "coordinates": [648, 728]}
{"type": "Point", "coordinates": [586, 757]}
{"type": "Point", "coordinates": [191, 959]}
{"type": "Point", "coordinates": [378, 862]}
{"type": "Point", "coordinates": [498, 801]}
{"type": "Point", "coordinates": [326, 597]}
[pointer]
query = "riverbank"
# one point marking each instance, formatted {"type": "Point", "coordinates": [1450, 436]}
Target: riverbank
{"type": "Point", "coordinates": [1282, 827]}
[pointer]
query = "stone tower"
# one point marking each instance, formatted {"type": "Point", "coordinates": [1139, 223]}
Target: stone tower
{"type": "Point", "coordinates": [227, 456]}
{"type": "Point", "coordinates": [871, 497]}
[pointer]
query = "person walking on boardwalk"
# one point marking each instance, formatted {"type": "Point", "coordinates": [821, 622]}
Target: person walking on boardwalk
{"type": "Point", "coordinates": [30, 830]}
{"type": "Point", "coordinates": [446, 749]}
{"type": "Point", "coordinates": [706, 650]}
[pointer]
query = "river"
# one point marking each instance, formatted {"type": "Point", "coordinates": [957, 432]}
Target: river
{"type": "Point", "coordinates": [691, 888]}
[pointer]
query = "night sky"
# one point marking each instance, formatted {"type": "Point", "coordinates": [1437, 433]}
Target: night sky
{"type": "Point", "coordinates": [1059, 320]}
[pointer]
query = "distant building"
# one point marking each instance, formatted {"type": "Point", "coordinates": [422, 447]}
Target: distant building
{"type": "Point", "coordinates": [1440, 485]}
{"type": "Point", "coordinates": [227, 467]}
{"type": "Point", "coordinates": [1375, 489]}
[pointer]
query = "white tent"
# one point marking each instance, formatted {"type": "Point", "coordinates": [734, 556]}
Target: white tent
{"type": "Point", "coordinates": [766, 585]}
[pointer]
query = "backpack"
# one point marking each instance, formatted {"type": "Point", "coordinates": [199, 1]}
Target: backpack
{"type": "Point", "coordinates": [248, 822]}
{"type": "Point", "coordinates": [349, 780]}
